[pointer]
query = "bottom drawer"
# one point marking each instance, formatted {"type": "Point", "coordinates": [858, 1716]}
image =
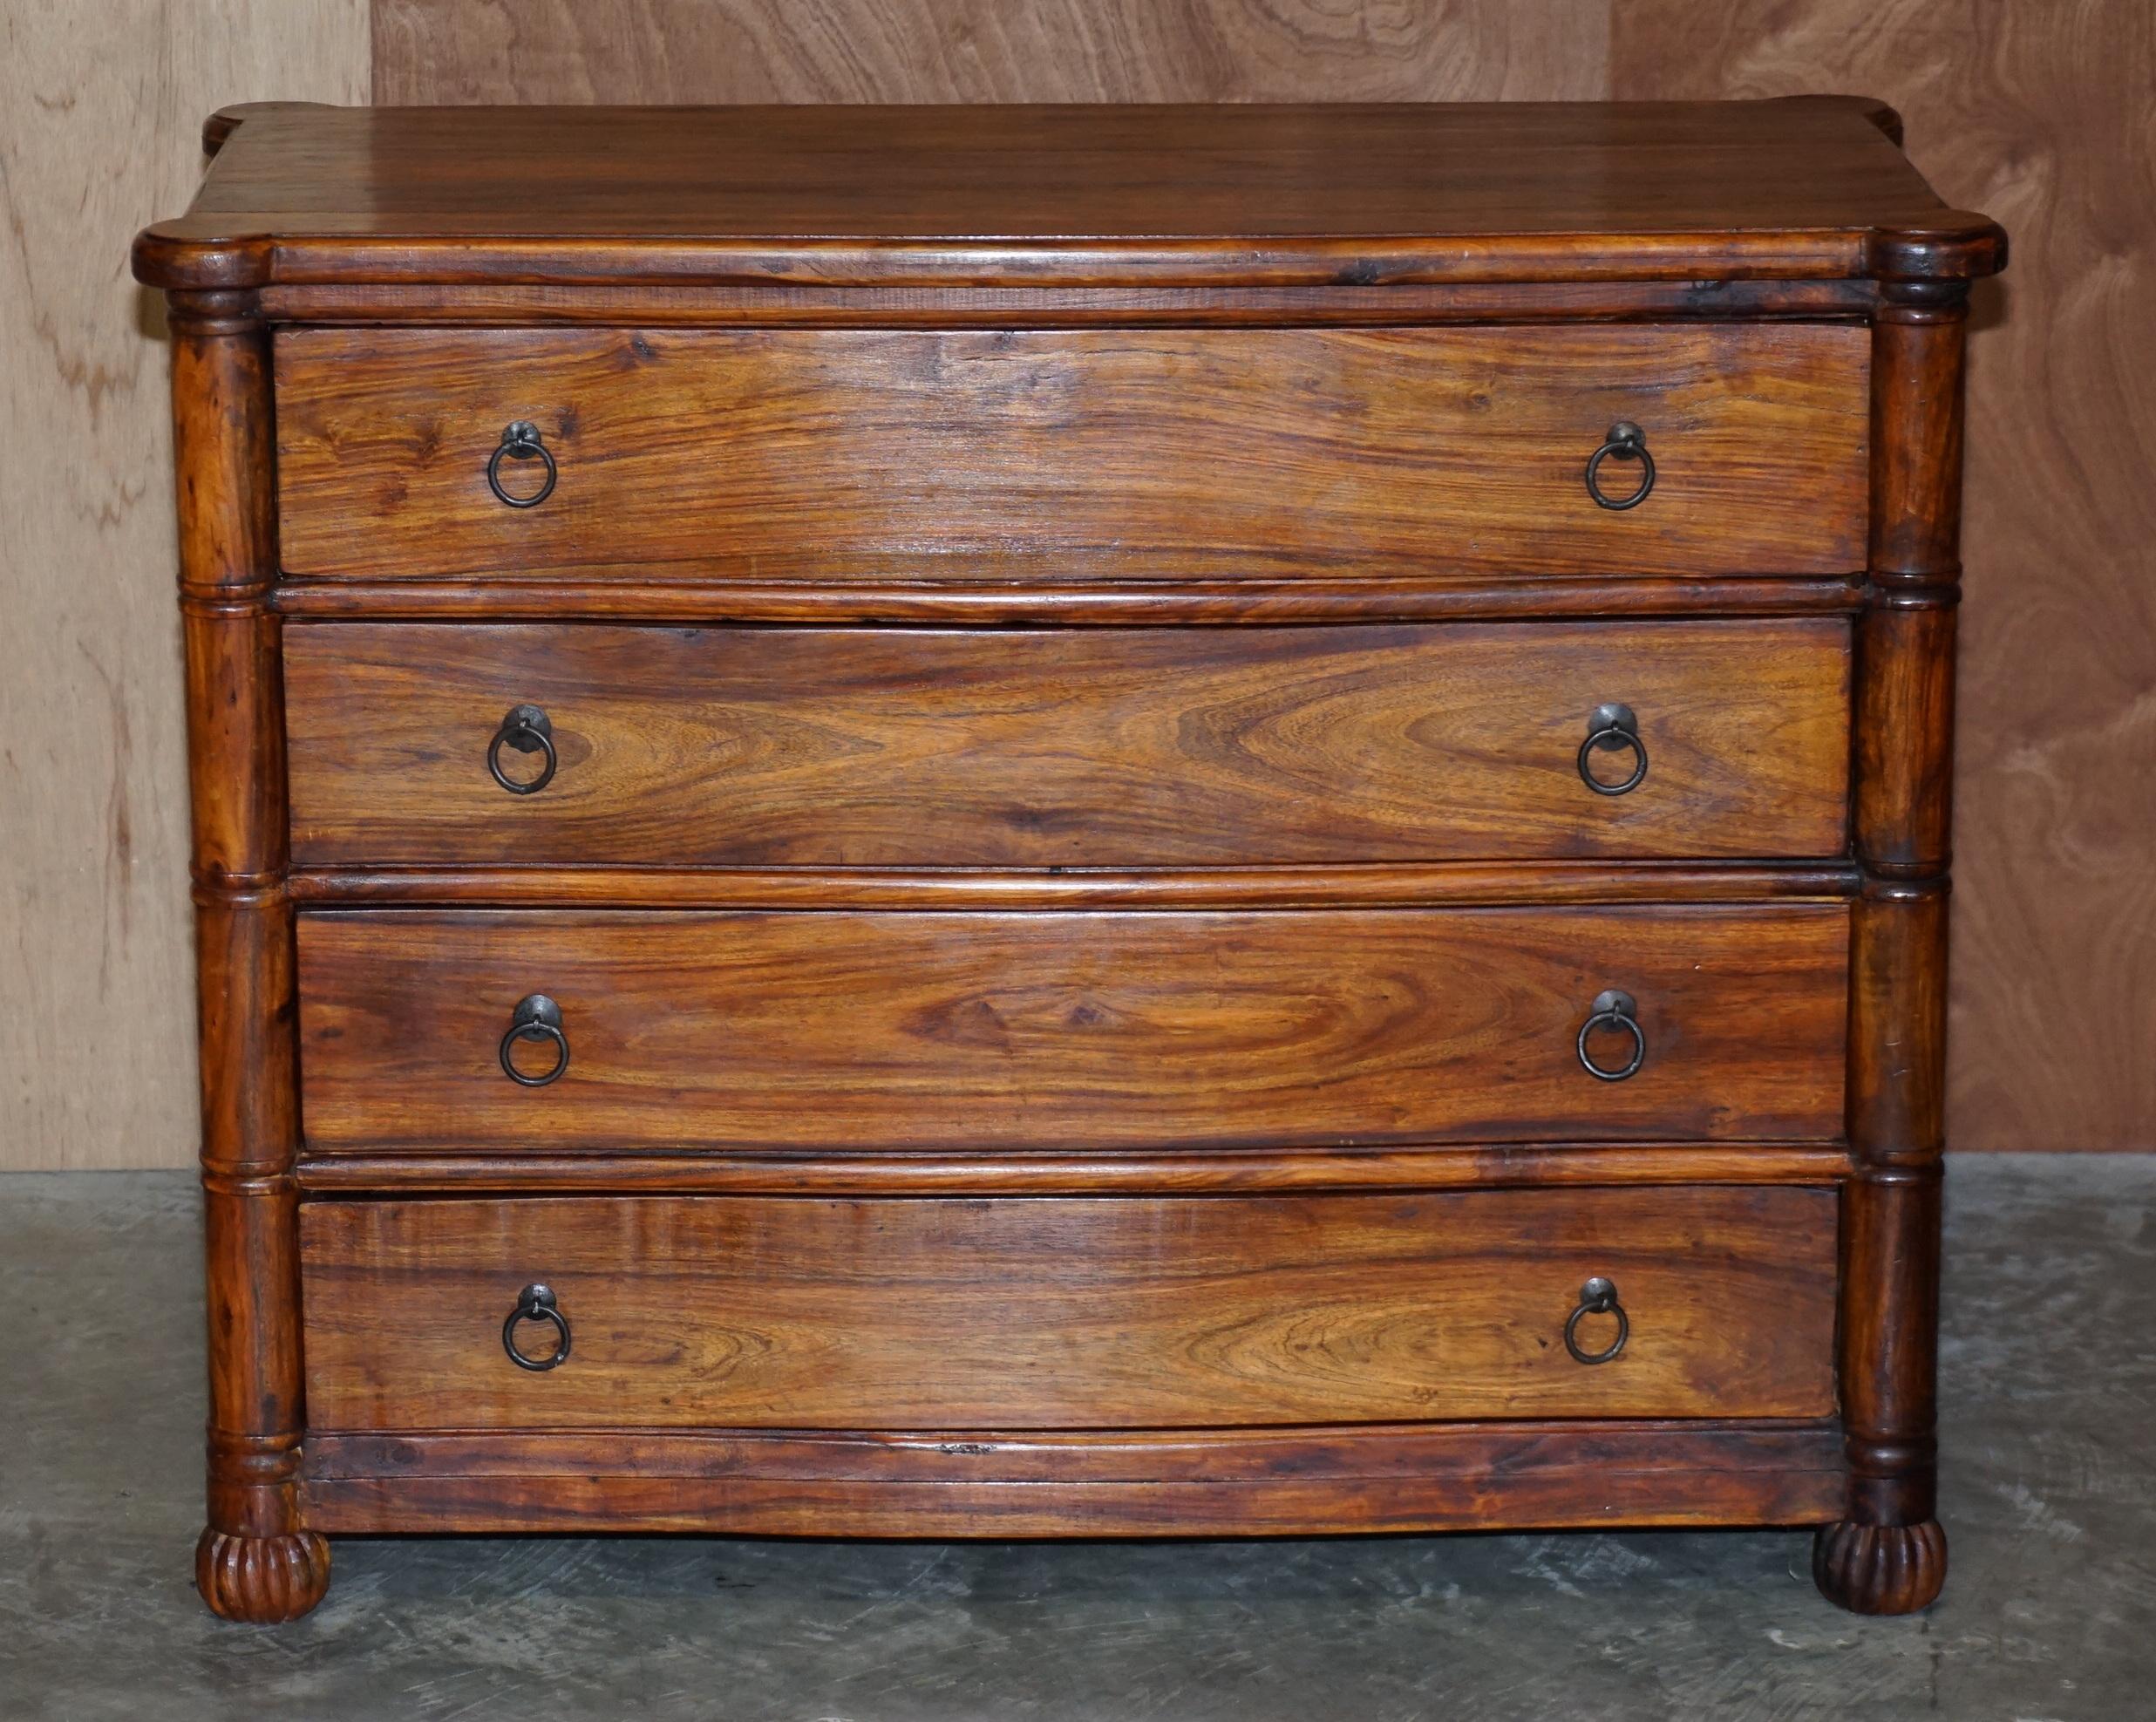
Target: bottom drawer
{"type": "Point", "coordinates": [1057, 1313]}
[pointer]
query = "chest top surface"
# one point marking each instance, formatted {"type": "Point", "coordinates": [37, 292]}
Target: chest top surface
{"type": "Point", "coordinates": [1810, 187]}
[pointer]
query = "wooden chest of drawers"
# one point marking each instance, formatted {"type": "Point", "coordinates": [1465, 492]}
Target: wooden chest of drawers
{"type": "Point", "coordinates": [1055, 821]}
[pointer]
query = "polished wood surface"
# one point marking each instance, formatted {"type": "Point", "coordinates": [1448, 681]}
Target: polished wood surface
{"type": "Point", "coordinates": [257, 1560]}
{"type": "Point", "coordinates": [1058, 1313]}
{"type": "Point", "coordinates": [1889, 1554]}
{"type": "Point", "coordinates": [2040, 115]}
{"type": "Point", "coordinates": [1092, 748]}
{"type": "Point", "coordinates": [812, 305]}
{"type": "Point", "coordinates": [1392, 885]}
{"type": "Point", "coordinates": [1463, 450]}
{"type": "Point", "coordinates": [1036, 1172]}
{"type": "Point", "coordinates": [1038, 172]}
{"type": "Point", "coordinates": [1337, 1084]}
{"type": "Point", "coordinates": [1005, 590]}
{"type": "Point", "coordinates": [2034, 115]}
{"type": "Point", "coordinates": [1515, 1474]}
{"type": "Point", "coordinates": [1368, 195]}
{"type": "Point", "coordinates": [1082, 1029]}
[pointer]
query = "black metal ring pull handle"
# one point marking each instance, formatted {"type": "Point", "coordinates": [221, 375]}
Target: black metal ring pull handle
{"type": "Point", "coordinates": [1626, 441]}
{"type": "Point", "coordinates": [1614, 1010]}
{"type": "Point", "coordinates": [537, 1304]}
{"type": "Point", "coordinates": [1611, 729]}
{"type": "Point", "coordinates": [520, 442]}
{"type": "Point", "coordinates": [526, 729]}
{"type": "Point", "coordinates": [536, 1017]}
{"type": "Point", "coordinates": [1597, 1297]}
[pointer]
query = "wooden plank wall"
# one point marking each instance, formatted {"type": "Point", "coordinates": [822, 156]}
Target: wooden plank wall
{"type": "Point", "coordinates": [2044, 115]}
{"type": "Point", "coordinates": [101, 105]}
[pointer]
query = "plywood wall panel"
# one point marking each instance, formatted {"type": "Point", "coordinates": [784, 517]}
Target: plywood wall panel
{"type": "Point", "coordinates": [986, 51]}
{"type": "Point", "coordinates": [101, 105]}
{"type": "Point", "coordinates": [2044, 116]}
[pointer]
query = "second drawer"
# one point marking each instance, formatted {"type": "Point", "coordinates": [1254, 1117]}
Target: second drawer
{"type": "Point", "coordinates": [841, 1030]}
{"type": "Point", "coordinates": [1099, 747]}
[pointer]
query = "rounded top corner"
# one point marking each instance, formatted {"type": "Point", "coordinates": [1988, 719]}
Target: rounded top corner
{"type": "Point", "coordinates": [166, 255]}
{"type": "Point", "coordinates": [1885, 115]}
{"type": "Point", "coordinates": [1954, 245]}
{"type": "Point", "coordinates": [217, 130]}
{"type": "Point", "coordinates": [1882, 115]}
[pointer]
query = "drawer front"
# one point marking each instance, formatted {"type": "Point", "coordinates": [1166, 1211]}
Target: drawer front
{"type": "Point", "coordinates": [1068, 1313]}
{"type": "Point", "coordinates": [1116, 747]}
{"type": "Point", "coordinates": [1105, 452]}
{"type": "Point", "coordinates": [943, 1031]}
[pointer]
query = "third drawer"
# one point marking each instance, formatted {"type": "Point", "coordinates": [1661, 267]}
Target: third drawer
{"type": "Point", "coordinates": [538, 744]}
{"type": "Point", "coordinates": [526, 1030]}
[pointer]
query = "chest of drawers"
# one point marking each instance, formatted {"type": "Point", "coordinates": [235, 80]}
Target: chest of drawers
{"type": "Point", "coordinates": [1033, 822]}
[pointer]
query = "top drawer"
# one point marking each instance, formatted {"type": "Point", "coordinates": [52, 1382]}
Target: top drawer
{"type": "Point", "coordinates": [1103, 453]}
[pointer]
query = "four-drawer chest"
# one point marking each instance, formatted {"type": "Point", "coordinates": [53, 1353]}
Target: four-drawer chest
{"type": "Point", "coordinates": [1068, 821]}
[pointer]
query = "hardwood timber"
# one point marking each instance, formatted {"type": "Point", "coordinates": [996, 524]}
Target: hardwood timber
{"type": "Point", "coordinates": [1358, 195]}
{"type": "Point", "coordinates": [833, 1172]}
{"type": "Point", "coordinates": [2038, 115]}
{"type": "Point", "coordinates": [1191, 747]}
{"type": "Point", "coordinates": [1394, 885]}
{"type": "Point", "coordinates": [1004, 591]}
{"type": "Point", "coordinates": [1460, 449]}
{"type": "Point", "coordinates": [1063, 1313]}
{"type": "Point", "coordinates": [810, 306]}
{"type": "Point", "coordinates": [1071, 1030]}
{"type": "Point", "coordinates": [1888, 1555]}
{"type": "Point", "coordinates": [1073, 917]}
{"type": "Point", "coordinates": [257, 1560]}
{"type": "Point", "coordinates": [1255, 1482]}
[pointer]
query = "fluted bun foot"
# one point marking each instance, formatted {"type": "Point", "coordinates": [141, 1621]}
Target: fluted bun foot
{"type": "Point", "coordinates": [1880, 1569]}
{"type": "Point", "coordinates": [262, 1580]}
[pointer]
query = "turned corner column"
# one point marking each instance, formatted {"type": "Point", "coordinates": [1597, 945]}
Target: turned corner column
{"type": "Point", "coordinates": [1889, 1554]}
{"type": "Point", "coordinates": [257, 1560]}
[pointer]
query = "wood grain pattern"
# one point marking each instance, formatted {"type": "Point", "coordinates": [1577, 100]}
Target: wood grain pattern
{"type": "Point", "coordinates": [1391, 885]}
{"type": "Point", "coordinates": [1090, 1030]}
{"type": "Point", "coordinates": [2039, 115]}
{"type": "Point", "coordinates": [1461, 449]}
{"type": "Point", "coordinates": [2043, 115]}
{"type": "Point", "coordinates": [1068, 1313]}
{"type": "Point", "coordinates": [2035, 118]}
{"type": "Point", "coordinates": [1092, 748]}
{"type": "Point", "coordinates": [815, 305]}
{"type": "Point", "coordinates": [256, 1560]}
{"type": "Point", "coordinates": [1308, 195]}
{"type": "Point", "coordinates": [1033, 177]}
{"type": "Point", "coordinates": [978, 51]}
{"type": "Point", "coordinates": [1278, 1482]}
{"type": "Point", "coordinates": [99, 103]}
{"type": "Point", "coordinates": [1888, 1555]}
{"type": "Point", "coordinates": [1062, 1039]}
{"type": "Point", "coordinates": [1137, 1172]}
{"type": "Point", "coordinates": [1004, 591]}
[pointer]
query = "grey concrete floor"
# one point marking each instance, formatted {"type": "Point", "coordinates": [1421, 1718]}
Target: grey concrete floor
{"type": "Point", "coordinates": [2050, 1500]}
